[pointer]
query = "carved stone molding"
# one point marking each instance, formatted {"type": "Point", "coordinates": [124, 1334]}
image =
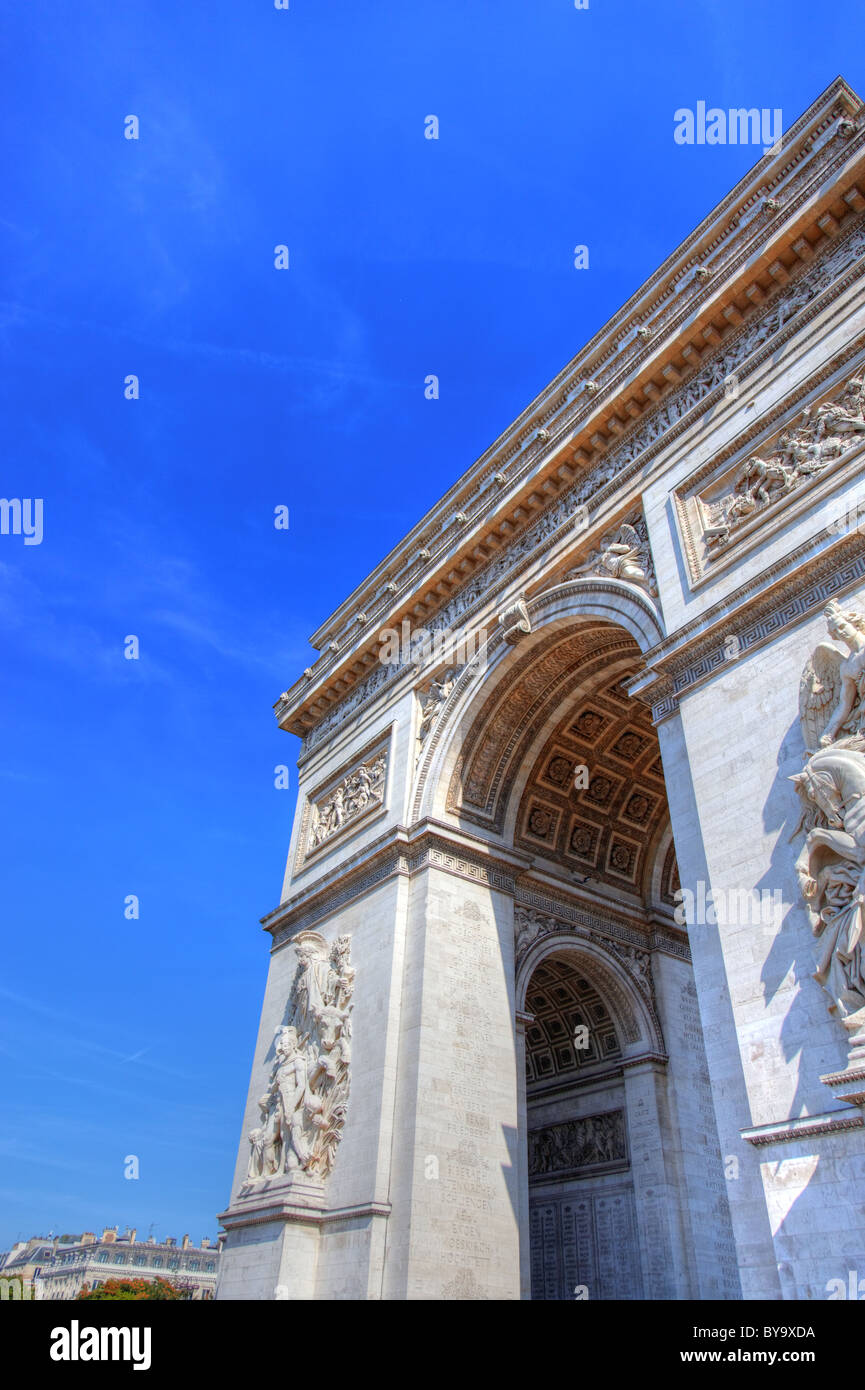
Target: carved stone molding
{"type": "Point", "coordinates": [806, 1127]}
{"type": "Point", "coordinates": [602, 923]}
{"type": "Point", "coordinates": [531, 926]}
{"type": "Point", "coordinates": [785, 313]}
{"type": "Point", "coordinates": [504, 728]}
{"type": "Point", "coordinates": [395, 853]}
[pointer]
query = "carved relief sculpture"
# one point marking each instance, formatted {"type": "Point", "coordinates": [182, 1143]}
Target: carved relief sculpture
{"type": "Point", "coordinates": [831, 864]}
{"type": "Point", "coordinates": [623, 554]}
{"type": "Point", "coordinates": [823, 434]}
{"type": "Point", "coordinates": [361, 789]}
{"type": "Point", "coordinates": [432, 702]}
{"type": "Point", "coordinates": [303, 1109]}
{"type": "Point", "coordinates": [575, 1144]}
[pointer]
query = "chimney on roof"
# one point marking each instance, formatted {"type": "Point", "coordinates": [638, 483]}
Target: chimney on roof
{"type": "Point", "coordinates": [205, 1242]}
{"type": "Point", "coordinates": [169, 1240]}
{"type": "Point", "coordinates": [132, 1234]}
{"type": "Point", "coordinates": [184, 1242]}
{"type": "Point", "coordinates": [88, 1238]}
{"type": "Point", "coordinates": [109, 1235]}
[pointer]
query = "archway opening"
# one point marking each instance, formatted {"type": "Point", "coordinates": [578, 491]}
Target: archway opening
{"type": "Point", "coordinates": [557, 762]}
{"type": "Point", "coordinates": [582, 1215]}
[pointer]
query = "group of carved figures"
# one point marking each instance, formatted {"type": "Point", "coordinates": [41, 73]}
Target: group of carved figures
{"type": "Point", "coordinates": [823, 434]}
{"type": "Point", "coordinates": [831, 864]}
{"type": "Point", "coordinates": [578, 1143]}
{"type": "Point", "coordinates": [303, 1109]}
{"type": "Point", "coordinates": [353, 794]}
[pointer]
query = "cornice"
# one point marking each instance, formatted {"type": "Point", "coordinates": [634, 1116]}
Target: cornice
{"type": "Point", "coordinates": [591, 917]}
{"type": "Point", "coordinates": [802, 1127]}
{"type": "Point", "coordinates": [800, 176]}
{"type": "Point", "coordinates": [398, 851]}
{"type": "Point", "coordinates": [434, 844]}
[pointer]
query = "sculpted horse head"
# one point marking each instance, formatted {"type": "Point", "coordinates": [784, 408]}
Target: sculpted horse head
{"type": "Point", "coordinates": [833, 779]}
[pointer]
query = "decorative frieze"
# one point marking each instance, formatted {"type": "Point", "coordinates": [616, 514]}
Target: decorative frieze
{"type": "Point", "coordinates": [781, 605]}
{"type": "Point", "coordinates": [577, 1147]}
{"type": "Point", "coordinates": [785, 311]}
{"type": "Point", "coordinates": [354, 797]}
{"type": "Point", "coordinates": [756, 486]}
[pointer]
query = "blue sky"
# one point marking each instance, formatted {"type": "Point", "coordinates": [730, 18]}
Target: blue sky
{"type": "Point", "coordinates": [260, 387]}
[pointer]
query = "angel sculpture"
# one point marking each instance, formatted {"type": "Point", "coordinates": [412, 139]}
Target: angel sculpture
{"type": "Point", "coordinates": [433, 702]}
{"type": "Point", "coordinates": [622, 554]}
{"type": "Point", "coordinates": [832, 690]}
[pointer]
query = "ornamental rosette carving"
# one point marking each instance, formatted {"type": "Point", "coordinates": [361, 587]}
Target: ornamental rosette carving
{"type": "Point", "coordinates": [304, 1107]}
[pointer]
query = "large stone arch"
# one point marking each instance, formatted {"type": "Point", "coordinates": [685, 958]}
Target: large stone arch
{"type": "Point", "coordinates": [635, 625]}
{"type": "Point", "coordinates": [630, 1007]}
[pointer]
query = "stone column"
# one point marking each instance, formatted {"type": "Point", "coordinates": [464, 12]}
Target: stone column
{"type": "Point", "coordinates": [523, 1159]}
{"type": "Point", "coordinates": [661, 1250]}
{"type": "Point", "coordinates": [454, 1228]}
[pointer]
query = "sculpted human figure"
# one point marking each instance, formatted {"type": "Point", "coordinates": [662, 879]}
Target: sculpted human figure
{"type": "Point", "coordinates": [312, 982]}
{"type": "Point", "coordinates": [831, 872]}
{"type": "Point", "coordinates": [265, 1140]}
{"type": "Point", "coordinates": [304, 1109]}
{"type": "Point", "coordinates": [290, 1085]}
{"type": "Point", "coordinates": [848, 628]}
{"type": "Point", "coordinates": [434, 701]}
{"type": "Point", "coordinates": [836, 903]}
{"type": "Point", "coordinates": [762, 479]}
{"type": "Point", "coordinates": [622, 555]}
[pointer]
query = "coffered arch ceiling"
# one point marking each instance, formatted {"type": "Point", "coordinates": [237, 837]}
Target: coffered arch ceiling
{"type": "Point", "coordinates": [562, 708]}
{"type": "Point", "coordinates": [560, 1000]}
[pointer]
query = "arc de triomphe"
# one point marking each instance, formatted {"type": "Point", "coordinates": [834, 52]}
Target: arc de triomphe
{"type": "Point", "coordinates": [566, 996]}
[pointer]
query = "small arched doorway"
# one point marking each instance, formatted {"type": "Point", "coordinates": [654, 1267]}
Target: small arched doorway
{"type": "Point", "coordinates": [582, 1217]}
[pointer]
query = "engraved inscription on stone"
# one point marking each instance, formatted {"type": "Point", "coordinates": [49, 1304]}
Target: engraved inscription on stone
{"type": "Point", "coordinates": [589, 1241]}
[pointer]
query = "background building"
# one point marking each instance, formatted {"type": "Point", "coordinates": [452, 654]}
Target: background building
{"type": "Point", "coordinates": [61, 1267]}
